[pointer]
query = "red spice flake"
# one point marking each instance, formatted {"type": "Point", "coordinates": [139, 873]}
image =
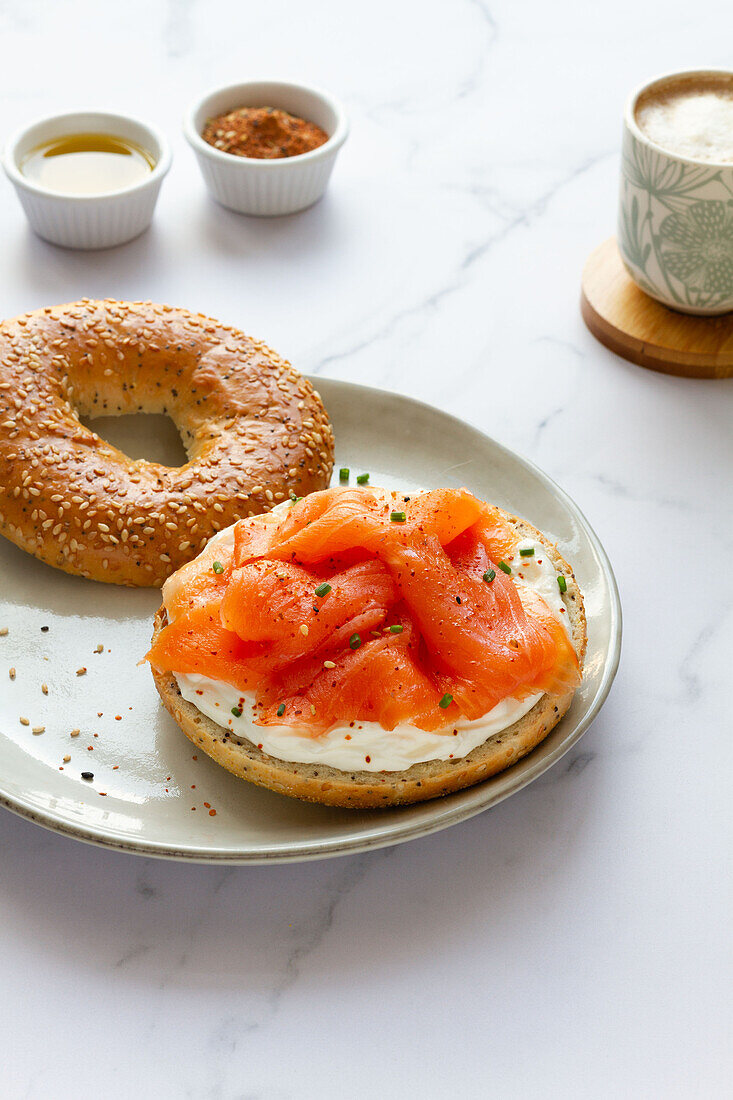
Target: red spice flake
{"type": "Point", "coordinates": [95, 735]}
{"type": "Point", "coordinates": [212, 813]}
{"type": "Point", "coordinates": [207, 805]}
{"type": "Point", "coordinates": [194, 757]}
{"type": "Point", "coordinates": [102, 794]}
{"type": "Point", "coordinates": [264, 133]}
{"type": "Point", "coordinates": [368, 759]}
{"type": "Point", "coordinates": [100, 713]}
{"type": "Point", "coordinates": [118, 717]}
{"type": "Point", "coordinates": [193, 786]}
{"type": "Point", "coordinates": [115, 767]}
{"type": "Point", "coordinates": [90, 748]}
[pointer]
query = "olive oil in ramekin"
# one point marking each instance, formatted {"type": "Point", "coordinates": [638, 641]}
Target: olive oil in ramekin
{"type": "Point", "coordinates": [87, 164]}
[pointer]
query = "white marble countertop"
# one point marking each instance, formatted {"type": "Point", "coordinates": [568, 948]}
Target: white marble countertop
{"type": "Point", "coordinates": [573, 940]}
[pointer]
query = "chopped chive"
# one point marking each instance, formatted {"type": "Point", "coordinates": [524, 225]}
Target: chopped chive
{"type": "Point", "coordinates": [294, 499]}
{"type": "Point", "coordinates": [281, 710]}
{"type": "Point", "coordinates": [446, 701]}
{"type": "Point", "coordinates": [529, 553]}
{"type": "Point", "coordinates": [323, 589]}
{"type": "Point", "coordinates": [218, 567]}
{"type": "Point", "coordinates": [398, 517]}
{"type": "Point", "coordinates": [562, 584]}
{"type": "Point", "coordinates": [396, 628]}
{"type": "Point", "coordinates": [354, 641]}
{"type": "Point", "coordinates": [344, 473]}
{"type": "Point", "coordinates": [237, 712]}
{"type": "Point", "coordinates": [362, 479]}
{"type": "Point", "coordinates": [489, 575]}
{"type": "Point", "coordinates": [504, 567]}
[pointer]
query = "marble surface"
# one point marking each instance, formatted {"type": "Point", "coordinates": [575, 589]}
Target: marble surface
{"type": "Point", "coordinates": [574, 940]}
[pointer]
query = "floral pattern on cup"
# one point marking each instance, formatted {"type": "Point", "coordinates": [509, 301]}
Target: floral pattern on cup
{"type": "Point", "coordinates": [675, 230]}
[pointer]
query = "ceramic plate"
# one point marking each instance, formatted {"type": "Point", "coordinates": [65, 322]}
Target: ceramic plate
{"type": "Point", "coordinates": [151, 792]}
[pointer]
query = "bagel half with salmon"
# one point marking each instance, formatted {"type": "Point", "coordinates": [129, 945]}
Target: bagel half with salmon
{"type": "Point", "coordinates": [365, 648]}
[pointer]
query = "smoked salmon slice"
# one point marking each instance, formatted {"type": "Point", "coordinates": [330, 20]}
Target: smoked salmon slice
{"type": "Point", "coordinates": [297, 612]}
{"type": "Point", "coordinates": [480, 637]}
{"type": "Point", "coordinates": [338, 520]}
{"type": "Point", "coordinates": [381, 681]}
{"type": "Point", "coordinates": [361, 605]}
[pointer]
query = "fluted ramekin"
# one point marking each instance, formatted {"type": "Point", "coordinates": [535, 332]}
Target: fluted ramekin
{"type": "Point", "coordinates": [88, 221]}
{"type": "Point", "coordinates": [265, 187]}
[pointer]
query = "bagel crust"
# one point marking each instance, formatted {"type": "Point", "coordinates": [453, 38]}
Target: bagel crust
{"type": "Point", "coordinates": [254, 430]}
{"type": "Point", "coordinates": [379, 790]}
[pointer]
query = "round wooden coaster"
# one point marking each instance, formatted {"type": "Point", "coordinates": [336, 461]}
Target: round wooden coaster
{"type": "Point", "coordinates": [638, 328]}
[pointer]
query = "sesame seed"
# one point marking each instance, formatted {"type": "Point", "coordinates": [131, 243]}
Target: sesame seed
{"type": "Point", "coordinates": [44, 689]}
{"type": "Point", "coordinates": [329, 664]}
{"type": "Point", "coordinates": [25, 722]}
{"type": "Point", "coordinates": [75, 733]}
{"type": "Point", "coordinates": [67, 758]}
{"type": "Point", "coordinates": [304, 630]}
{"type": "Point", "coordinates": [38, 729]}
{"type": "Point", "coordinates": [3, 631]}
{"type": "Point", "coordinates": [11, 673]}
{"type": "Point", "coordinates": [81, 672]}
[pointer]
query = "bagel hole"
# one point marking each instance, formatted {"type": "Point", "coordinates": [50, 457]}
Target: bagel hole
{"type": "Point", "coordinates": [152, 436]}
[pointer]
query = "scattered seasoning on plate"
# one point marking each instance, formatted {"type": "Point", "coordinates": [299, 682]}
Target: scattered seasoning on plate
{"type": "Point", "coordinates": [67, 758]}
{"type": "Point", "coordinates": [11, 673]}
{"type": "Point", "coordinates": [344, 473]}
{"type": "Point", "coordinates": [263, 133]}
{"type": "Point", "coordinates": [74, 733]}
{"type": "Point", "coordinates": [362, 479]}
{"type": "Point", "coordinates": [355, 641]}
{"type": "Point", "coordinates": [237, 712]}
{"type": "Point", "coordinates": [323, 589]}
{"type": "Point", "coordinates": [218, 567]}
{"type": "Point", "coordinates": [489, 575]}
{"type": "Point", "coordinates": [504, 567]}
{"type": "Point", "coordinates": [398, 517]}
{"type": "Point", "coordinates": [44, 689]}
{"type": "Point", "coordinates": [529, 553]}
{"type": "Point", "coordinates": [446, 701]}
{"type": "Point", "coordinates": [87, 775]}
{"type": "Point", "coordinates": [25, 722]}
{"type": "Point", "coordinates": [562, 584]}
{"type": "Point", "coordinates": [4, 631]}
{"type": "Point", "coordinates": [44, 630]}
{"type": "Point", "coordinates": [81, 672]}
{"type": "Point", "coordinates": [38, 729]}
{"type": "Point", "coordinates": [99, 649]}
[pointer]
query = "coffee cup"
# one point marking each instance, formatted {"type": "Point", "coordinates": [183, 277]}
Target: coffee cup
{"type": "Point", "coordinates": [675, 227]}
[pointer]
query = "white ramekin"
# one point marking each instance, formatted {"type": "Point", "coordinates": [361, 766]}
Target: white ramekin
{"type": "Point", "coordinates": [264, 187]}
{"type": "Point", "coordinates": [88, 221]}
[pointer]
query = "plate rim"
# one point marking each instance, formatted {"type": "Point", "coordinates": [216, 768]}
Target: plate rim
{"type": "Point", "coordinates": [372, 841]}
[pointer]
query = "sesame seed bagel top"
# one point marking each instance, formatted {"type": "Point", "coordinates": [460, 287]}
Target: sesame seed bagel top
{"type": "Point", "coordinates": [253, 428]}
